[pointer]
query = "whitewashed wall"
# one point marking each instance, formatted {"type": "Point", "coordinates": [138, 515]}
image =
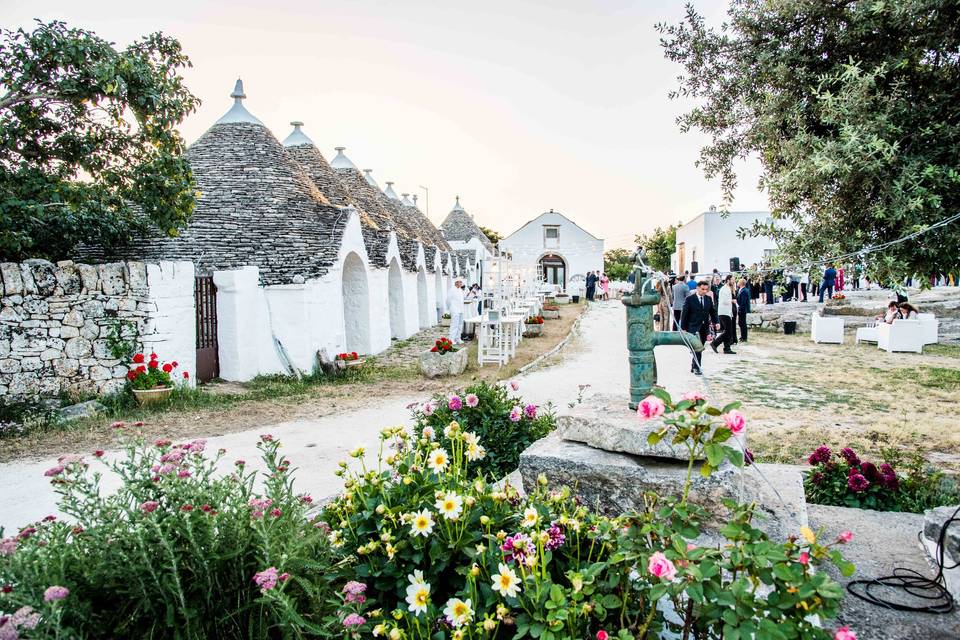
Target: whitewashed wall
{"type": "Point", "coordinates": [714, 239]}
{"type": "Point", "coordinates": [580, 250]}
{"type": "Point", "coordinates": [171, 326]}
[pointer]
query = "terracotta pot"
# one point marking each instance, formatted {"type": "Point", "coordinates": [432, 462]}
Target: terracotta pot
{"type": "Point", "coordinates": [146, 397]}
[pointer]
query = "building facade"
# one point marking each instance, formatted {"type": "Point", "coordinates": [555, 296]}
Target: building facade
{"type": "Point", "coordinates": [711, 241]}
{"type": "Point", "coordinates": [561, 250]}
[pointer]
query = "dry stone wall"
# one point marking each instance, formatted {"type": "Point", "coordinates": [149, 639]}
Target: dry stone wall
{"type": "Point", "coordinates": [55, 320]}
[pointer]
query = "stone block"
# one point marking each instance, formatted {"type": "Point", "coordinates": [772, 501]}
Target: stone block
{"type": "Point", "coordinates": [51, 354]}
{"type": "Point", "coordinates": [110, 386]}
{"type": "Point", "coordinates": [68, 278]}
{"type": "Point", "coordinates": [90, 330]}
{"type": "Point", "coordinates": [36, 305]}
{"type": "Point", "coordinates": [21, 342]}
{"type": "Point", "coordinates": [119, 371]}
{"type": "Point", "coordinates": [29, 286]}
{"type": "Point", "coordinates": [74, 318]}
{"type": "Point", "coordinates": [607, 422]}
{"type": "Point", "coordinates": [24, 385]}
{"type": "Point", "coordinates": [92, 309]}
{"type": "Point", "coordinates": [78, 348]}
{"type": "Point", "coordinates": [4, 347]}
{"type": "Point", "coordinates": [89, 277]}
{"type": "Point", "coordinates": [43, 274]}
{"type": "Point", "coordinates": [9, 314]}
{"type": "Point", "coordinates": [933, 521]}
{"type": "Point", "coordinates": [67, 332]}
{"type": "Point", "coordinates": [435, 365]}
{"type": "Point", "coordinates": [31, 364]}
{"type": "Point", "coordinates": [137, 275]}
{"type": "Point", "coordinates": [12, 281]}
{"type": "Point", "coordinates": [88, 409]}
{"type": "Point", "coordinates": [101, 349]}
{"type": "Point", "coordinates": [111, 278]}
{"type": "Point", "coordinates": [66, 367]}
{"type": "Point", "coordinates": [99, 372]}
{"type": "Point", "coordinates": [9, 365]}
{"type": "Point", "coordinates": [754, 320]}
{"type": "Point", "coordinates": [49, 387]}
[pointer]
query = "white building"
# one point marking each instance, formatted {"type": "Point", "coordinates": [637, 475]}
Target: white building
{"type": "Point", "coordinates": [562, 251]}
{"type": "Point", "coordinates": [710, 241]}
{"type": "Point", "coordinates": [469, 246]}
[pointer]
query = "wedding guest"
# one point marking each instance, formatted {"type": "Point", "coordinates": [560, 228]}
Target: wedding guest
{"type": "Point", "coordinates": [455, 309]}
{"type": "Point", "coordinates": [680, 293]}
{"type": "Point", "coordinates": [743, 308]}
{"type": "Point", "coordinates": [908, 311]}
{"type": "Point", "coordinates": [829, 281]}
{"type": "Point", "coordinates": [698, 314]}
{"type": "Point", "coordinates": [725, 312]}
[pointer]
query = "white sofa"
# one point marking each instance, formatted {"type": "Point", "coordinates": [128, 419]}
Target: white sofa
{"type": "Point", "coordinates": [901, 335]}
{"type": "Point", "coordinates": [930, 327]}
{"type": "Point", "coordinates": [826, 329]}
{"type": "Point", "coordinates": [867, 334]}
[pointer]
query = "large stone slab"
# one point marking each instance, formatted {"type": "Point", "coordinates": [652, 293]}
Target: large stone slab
{"type": "Point", "coordinates": [606, 422]}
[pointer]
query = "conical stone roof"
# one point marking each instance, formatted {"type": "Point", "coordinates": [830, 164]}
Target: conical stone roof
{"type": "Point", "coordinates": [460, 227]}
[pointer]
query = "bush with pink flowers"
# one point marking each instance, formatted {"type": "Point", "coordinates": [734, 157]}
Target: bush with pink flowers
{"type": "Point", "coordinates": [179, 550]}
{"type": "Point", "coordinates": [504, 422]}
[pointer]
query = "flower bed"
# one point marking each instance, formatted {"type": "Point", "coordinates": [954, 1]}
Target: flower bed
{"type": "Point", "coordinates": [533, 326]}
{"type": "Point", "coordinates": [844, 479]}
{"type": "Point", "coordinates": [550, 312]}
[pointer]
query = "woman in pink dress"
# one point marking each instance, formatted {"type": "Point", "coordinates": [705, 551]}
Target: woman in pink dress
{"type": "Point", "coordinates": [839, 278]}
{"type": "Point", "coordinates": [604, 285]}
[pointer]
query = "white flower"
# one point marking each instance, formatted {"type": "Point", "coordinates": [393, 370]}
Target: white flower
{"type": "Point", "coordinates": [530, 518]}
{"type": "Point", "coordinates": [336, 538]}
{"type": "Point", "coordinates": [429, 408]}
{"type": "Point", "coordinates": [471, 438]}
{"type": "Point", "coordinates": [439, 459]}
{"type": "Point", "coordinates": [421, 523]}
{"type": "Point", "coordinates": [458, 612]}
{"type": "Point", "coordinates": [506, 582]}
{"type": "Point", "coordinates": [418, 593]}
{"type": "Point", "coordinates": [428, 433]}
{"type": "Point", "coordinates": [450, 506]}
{"type": "Point", "coordinates": [475, 452]}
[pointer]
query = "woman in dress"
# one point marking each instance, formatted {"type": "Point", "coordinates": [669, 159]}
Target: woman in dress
{"type": "Point", "coordinates": [604, 287]}
{"type": "Point", "coordinates": [908, 311]}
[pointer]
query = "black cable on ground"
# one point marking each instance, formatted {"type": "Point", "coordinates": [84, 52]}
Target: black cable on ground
{"type": "Point", "coordinates": [931, 590]}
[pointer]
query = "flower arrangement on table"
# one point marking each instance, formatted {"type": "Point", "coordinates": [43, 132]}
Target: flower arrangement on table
{"type": "Point", "coordinates": [442, 346]}
{"type": "Point", "coordinates": [534, 320]}
{"type": "Point", "coordinates": [348, 357]}
{"type": "Point", "coordinates": [838, 296]}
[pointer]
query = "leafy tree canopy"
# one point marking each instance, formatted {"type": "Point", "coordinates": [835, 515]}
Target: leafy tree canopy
{"type": "Point", "coordinates": [617, 264]}
{"type": "Point", "coordinates": [851, 107]}
{"type": "Point", "coordinates": [659, 245]}
{"type": "Point", "coordinates": [493, 236]}
{"type": "Point", "coordinates": [89, 150]}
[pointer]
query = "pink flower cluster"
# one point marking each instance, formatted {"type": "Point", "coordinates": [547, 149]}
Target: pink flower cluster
{"type": "Point", "coordinates": [259, 505]}
{"type": "Point", "coordinates": [844, 633]}
{"type": "Point", "coordinates": [429, 408]}
{"type": "Point", "coordinates": [22, 618]}
{"type": "Point", "coordinates": [516, 413]}
{"type": "Point", "coordinates": [8, 546]}
{"type": "Point", "coordinates": [530, 411]}
{"type": "Point", "coordinates": [55, 593]}
{"type": "Point", "coordinates": [650, 407]}
{"type": "Point", "coordinates": [454, 403]}
{"type": "Point", "coordinates": [354, 620]}
{"type": "Point", "coordinates": [472, 400]}
{"type": "Point", "coordinates": [734, 421]}
{"type": "Point", "coordinates": [353, 592]}
{"type": "Point", "coordinates": [268, 578]}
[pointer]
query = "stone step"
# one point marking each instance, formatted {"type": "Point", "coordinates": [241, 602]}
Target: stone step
{"type": "Point", "coordinates": [934, 521]}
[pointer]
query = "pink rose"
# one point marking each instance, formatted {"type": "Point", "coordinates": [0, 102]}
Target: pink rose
{"type": "Point", "coordinates": [516, 413]}
{"type": "Point", "coordinates": [845, 537]}
{"type": "Point", "coordinates": [804, 558]}
{"type": "Point", "coordinates": [472, 400]}
{"type": "Point", "coordinates": [734, 421]}
{"type": "Point", "coordinates": [661, 567]}
{"type": "Point", "coordinates": [650, 407]}
{"type": "Point", "coordinates": [693, 396]}
{"type": "Point", "coordinates": [844, 633]}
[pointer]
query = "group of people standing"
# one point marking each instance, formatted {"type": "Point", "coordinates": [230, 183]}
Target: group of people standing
{"type": "Point", "coordinates": [714, 311]}
{"type": "Point", "coordinates": [595, 279]}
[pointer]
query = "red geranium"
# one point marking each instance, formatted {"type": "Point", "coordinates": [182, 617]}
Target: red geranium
{"type": "Point", "coordinates": [138, 358]}
{"type": "Point", "coordinates": [154, 375]}
{"type": "Point", "coordinates": [153, 364]}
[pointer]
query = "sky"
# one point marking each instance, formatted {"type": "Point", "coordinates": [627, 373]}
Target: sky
{"type": "Point", "coordinates": [518, 107]}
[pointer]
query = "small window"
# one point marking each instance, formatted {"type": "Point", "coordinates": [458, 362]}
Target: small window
{"type": "Point", "coordinates": [551, 237]}
{"type": "Point", "coordinates": [553, 233]}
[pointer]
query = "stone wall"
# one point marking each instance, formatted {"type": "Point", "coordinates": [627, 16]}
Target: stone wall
{"type": "Point", "coordinates": [55, 320]}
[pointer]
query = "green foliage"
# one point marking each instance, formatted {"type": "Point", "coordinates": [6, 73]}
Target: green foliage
{"type": "Point", "coordinates": [506, 424]}
{"type": "Point", "coordinates": [173, 552]}
{"type": "Point", "coordinates": [659, 245]}
{"type": "Point", "coordinates": [901, 483]}
{"type": "Point", "coordinates": [414, 520]}
{"type": "Point", "coordinates": [617, 264]}
{"type": "Point", "coordinates": [493, 236]}
{"type": "Point", "coordinates": [122, 340]}
{"type": "Point", "coordinates": [850, 107]}
{"type": "Point", "coordinates": [89, 151]}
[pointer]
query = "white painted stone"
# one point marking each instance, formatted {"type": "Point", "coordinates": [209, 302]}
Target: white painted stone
{"type": "Point", "coordinates": [74, 318]}
{"type": "Point", "coordinates": [78, 348]}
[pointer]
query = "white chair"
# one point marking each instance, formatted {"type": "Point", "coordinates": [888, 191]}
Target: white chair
{"type": "Point", "coordinates": [867, 334]}
{"type": "Point", "coordinates": [491, 343]}
{"type": "Point", "coordinates": [901, 335]}
{"type": "Point", "coordinates": [930, 326]}
{"type": "Point", "coordinates": [826, 329]}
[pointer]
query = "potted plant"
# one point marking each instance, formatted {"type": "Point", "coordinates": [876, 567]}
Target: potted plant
{"type": "Point", "coordinates": [562, 298]}
{"type": "Point", "coordinates": [838, 296]}
{"type": "Point", "coordinates": [443, 359]}
{"type": "Point", "coordinates": [533, 326]}
{"type": "Point", "coordinates": [550, 312]}
{"type": "Point", "coordinates": [151, 381]}
{"type": "Point", "coordinates": [445, 320]}
{"type": "Point", "coordinates": [350, 359]}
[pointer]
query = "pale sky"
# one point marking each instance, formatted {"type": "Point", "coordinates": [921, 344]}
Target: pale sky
{"type": "Point", "coordinates": [518, 106]}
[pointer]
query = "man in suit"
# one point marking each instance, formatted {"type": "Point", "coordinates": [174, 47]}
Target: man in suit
{"type": "Point", "coordinates": [699, 313]}
{"type": "Point", "coordinates": [743, 307]}
{"type": "Point", "coordinates": [829, 281]}
{"type": "Point", "coordinates": [591, 285]}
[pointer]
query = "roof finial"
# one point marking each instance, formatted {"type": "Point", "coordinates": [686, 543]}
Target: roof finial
{"type": "Point", "coordinates": [238, 113]}
{"type": "Point", "coordinates": [340, 161]}
{"type": "Point", "coordinates": [296, 137]}
{"type": "Point", "coordinates": [457, 206]}
{"type": "Point", "coordinates": [390, 193]}
{"type": "Point", "coordinates": [367, 173]}
{"type": "Point", "coordinates": [238, 93]}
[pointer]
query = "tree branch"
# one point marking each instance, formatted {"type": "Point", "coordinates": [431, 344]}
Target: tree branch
{"type": "Point", "coordinates": [11, 100]}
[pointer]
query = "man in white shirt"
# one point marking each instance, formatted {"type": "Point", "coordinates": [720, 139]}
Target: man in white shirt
{"type": "Point", "coordinates": [455, 309]}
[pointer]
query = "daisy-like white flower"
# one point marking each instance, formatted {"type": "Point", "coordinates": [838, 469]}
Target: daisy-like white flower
{"type": "Point", "coordinates": [336, 538]}
{"type": "Point", "coordinates": [458, 612]}
{"type": "Point", "coordinates": [421, 523]}
{"type": "Point", "coordinates": [450, 506]}
{"type": "Point", "coordinates": [471, 438]}
{"type": "Point", "coordinates": [418, 593]}
{"type": "Point", "coordinates": [439, 460]}
{"type": "Point", "coordinates": [506, 582]}
{"type": "Point", "coordinates": [475, 452]}
{"type": "Point", "coordinates": [428, 433]}
{"type": "Point", "coordinates": [530, 518]}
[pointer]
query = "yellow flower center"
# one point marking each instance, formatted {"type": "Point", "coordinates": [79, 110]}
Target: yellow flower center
{"type": "Point", "coordinates": [421, 598]}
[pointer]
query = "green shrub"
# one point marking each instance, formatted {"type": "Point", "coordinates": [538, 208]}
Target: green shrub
{"type": "Point", "coordinates": [899, 483]}
{"type": "Point", "coordinates": [439, 553]}
{"type": "Point", "coordinates": [173, 553]}
{"type": "Point", "coordinates": [506, 425]}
